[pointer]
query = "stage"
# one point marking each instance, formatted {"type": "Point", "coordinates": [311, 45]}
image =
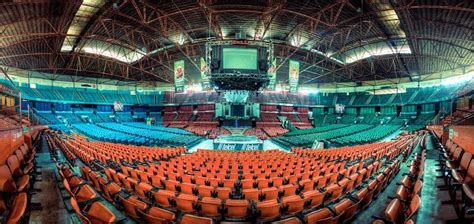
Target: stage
{"type": "Point", "coordinates": [236, 143]}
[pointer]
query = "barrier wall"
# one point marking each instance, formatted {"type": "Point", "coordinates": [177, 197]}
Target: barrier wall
{"type": "Point", "coordinates": [463, 136]}
{"type": "Point", "coordinates": [9, 142]}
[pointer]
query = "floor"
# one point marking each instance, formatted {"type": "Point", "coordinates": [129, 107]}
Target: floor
{"type": "Point", "coordinates": [53, 209]}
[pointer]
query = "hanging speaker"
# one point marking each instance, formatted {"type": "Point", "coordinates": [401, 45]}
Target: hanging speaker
{"type": "Point", "coordinates": [262, 65]}
{"type": "Point", "coordinates": [215, 64]}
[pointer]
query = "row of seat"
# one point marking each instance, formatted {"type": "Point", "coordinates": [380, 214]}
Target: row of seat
{"type": "Point", "coordinates": [403, 207]}
{"type": "Point", "coordinates": [86, 150]}
{"type": "Point", "coordinates": [266, 210]}
{"type": "Point", "coordinates": [84, 200]}
{"type": "Point", "coordinates": [457, 170]}
{"type": "Point", "coordinates": [167, 197]}
{"type": "Point", "coordinates": [135, 205]}
{"type": "Point", "coordinates": [345, 209]}
{"type": "Point", "coordinates": [16, 177]}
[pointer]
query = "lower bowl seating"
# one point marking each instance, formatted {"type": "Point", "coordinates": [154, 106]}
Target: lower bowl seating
{"type": "Point", "coordinates": [247, 186]}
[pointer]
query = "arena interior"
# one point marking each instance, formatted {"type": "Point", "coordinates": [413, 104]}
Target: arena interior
{"type": "Point", "coordinates": [229, 111]}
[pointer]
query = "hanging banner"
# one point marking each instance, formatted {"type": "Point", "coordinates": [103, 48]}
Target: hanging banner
{"type": "Point", "coordinates": [272, 75]}
{"type": "Point", "coordinates": [294, 74]}
{"type": "Point", "coordinates": [179, 76]}
{"type": "Point", "coordinates": [204, 77]}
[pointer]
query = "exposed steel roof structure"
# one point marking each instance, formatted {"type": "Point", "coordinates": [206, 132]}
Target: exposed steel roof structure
{"type": "Point", "coordinates": [338, 41]}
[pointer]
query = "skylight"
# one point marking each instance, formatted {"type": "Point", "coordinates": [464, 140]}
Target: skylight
{"type": "Point", "coordinates": [85, 12]}
{"type": "Point", "coordinates": [111, 51]}
{"type": "Point", "coordinates": [82, 17]}
{"type": "Point", "coordinates": [376, 49]}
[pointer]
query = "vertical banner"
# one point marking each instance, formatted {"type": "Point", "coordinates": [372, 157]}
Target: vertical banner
{"type": "Point", "coordinates": [294, 74]}
{"type": "Point", "coordinates": [179, 76]}
{"type": "Point", "coordinates": [272, 75]}
{"type": "Point", "coordinates": [204, 77]}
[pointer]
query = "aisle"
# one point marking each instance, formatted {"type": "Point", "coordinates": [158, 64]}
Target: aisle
{"type": "Point", "coordinates": [378, 205]}
{"type": "Point", "coordinates": [432, 210]}
{"type": "Point", "coordinates": [50, 197]}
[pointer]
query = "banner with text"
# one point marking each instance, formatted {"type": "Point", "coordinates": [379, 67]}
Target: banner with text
{"type": "Point", "coordinates": [272, 75]}
{"type": "Point", "coordinates": [204, 75]}
{"type": "Point", "coordinates": [294, 75]}
{"type": "Point", "coordinates": [179, 76]}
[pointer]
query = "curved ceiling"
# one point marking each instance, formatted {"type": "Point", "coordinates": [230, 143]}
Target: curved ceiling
{"type": "Point", "coordinates": [337, 41]}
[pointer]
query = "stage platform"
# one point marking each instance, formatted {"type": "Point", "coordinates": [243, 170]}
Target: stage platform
{"type": "Point", "coordinates": [238, 142]}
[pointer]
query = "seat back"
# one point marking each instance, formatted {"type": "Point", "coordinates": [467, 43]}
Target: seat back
{"type": "Point", "coordinates": [152, 219]}
{"type": "Point", "coordinates": [252, 194]}
{"type": "Point", "coordinates": [77, 210]}
{"type": "Point", "coordinates": [318, 215]}
{"type": "Point", "coordinates": [418, 186]}
{"type": "Point", "coordinates": [188, 188]}
{"type": "Point", "coordinates": [7, 184]}
{"type": "Point", "coordinates": [268, 210]}
{"type": "Point", "coordinates": [18, 208]}
{"type": "Point", "coordinates": [143, 189]}
{"type": "Point", "coordinates": [470, 174]}
{"type": "Point", "coordinates": [20, 155]}
{"type": "Point", "coordinates": [292, 220]}
{"type": "Point", "coordinates": [99, 213]}
{"type": "Point", "coordinates": [192, 219]}
{"type": "Point", "coordinates": [131, 206]}
{"type": "Point", "coordinates": [457, 154]}
{"type": "Point", "coordinates": [162, 198]}
{"type": "Point", "coordinates": [223, 192]}
{"type": "Point", "coordinates": [236, 208]}
{"type": "Point", "coordinates": [270, 193]}
{"type": "Point", "coordinates": [402, 193]}
{"type": "Point", "coordinates": [185, 202]}
{"type": "Point", "coordinates": [293, 204]}
{"type": "Point", "coordinates": [394, 211]}
{"type": "Point", "coordinates": [85, 193]}
{"type": "Point", "coordinates": [210, 206]}
{"type": "Point", "coordinates": [111, 190]}
{"type": "Point", "coordinates": [161, 213]}
{"type": "Point", "coordinates": [205, 191]}
{"type": "Point", "coordinates": [313, 198]}
{"type": "Point", "coordinates": [14, 165]}
{"type": "Point", "coordinates": [465, 160]}
{"type": "Point", "coordinates": [413, 208]}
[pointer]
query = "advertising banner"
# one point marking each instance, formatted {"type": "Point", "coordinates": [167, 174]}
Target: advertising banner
{"type": "Point", "coordinates": [179, 76]}
{"type": "Point", "coordinates": [294, 74]}
{"type": "Point", "coordinates": [204, 74]}
{"type": "Point", "coordinates": [272, 75]}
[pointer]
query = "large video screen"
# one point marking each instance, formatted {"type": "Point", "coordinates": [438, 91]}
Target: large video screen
{"type": "Point", "coordinates": [240, 58]}
{"type": "Point", "coordinates": [238, 110]}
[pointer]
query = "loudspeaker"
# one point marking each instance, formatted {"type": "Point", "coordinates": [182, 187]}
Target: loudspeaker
{"type": "Point", "coordinates": [262, 65]}
{"type": "Point", "coordinates": [215, 64]}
